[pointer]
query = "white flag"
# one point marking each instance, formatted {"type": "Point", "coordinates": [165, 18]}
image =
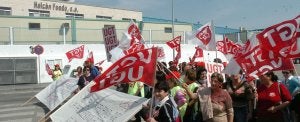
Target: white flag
{"type": "Point", "coordinates": [56, 92]}
{"type": "Point", "coordinates": [106, 105]}
{"type": "Point", "coordinates": [204, 37]}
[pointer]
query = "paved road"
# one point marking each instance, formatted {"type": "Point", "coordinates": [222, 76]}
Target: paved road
{"type": "Point", "coordinates": [13, 96]}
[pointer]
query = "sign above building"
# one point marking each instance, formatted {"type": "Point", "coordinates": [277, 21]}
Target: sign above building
{"type": "Point", "coordinates": [54, 7]}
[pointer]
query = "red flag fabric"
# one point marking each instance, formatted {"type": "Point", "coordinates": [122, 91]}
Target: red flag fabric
{"type": "Point", "coordinates": [161, 53]}
{"type": "Point", "coordinates": [227, 46]}
{"type": "Point", "coordinates": [175, 43]}
{"type": "Point", "coordinates": [49, 70]}
{"type": "Point", "coordinates": [177, 57]}
{"type": "Point", "coordinates": [137, 66]}
{"type": "Point", "coordinates": [134, 48]}
{"type": "Point", "coordinates": [249, 59]}
{"type": "Point", "coordinates": [134, 32]}
{"type": "Point", "coordinates": [277, 40]}
{"type": "Point", "coordinates": [198, 54]}
{"type": "Point", "coordinates": [75, 53]}
{"type": "Point", "coordinates": [90, 57]}
{"type": "Point", "coordinates": [100, 63]}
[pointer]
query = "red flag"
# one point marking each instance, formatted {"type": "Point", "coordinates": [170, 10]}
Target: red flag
{"type": "Point", "coordinates": [161, 53]}
{"type": "Point", "coordinates": [134, 32]}
{"type": "Point", "coordinates": [227, 46]}
{"type": "Point", "coordinates": [249, 59]}
{"type": "Point", "coordinates": [177, 57]}
{"type": "Point", "coordinates": [198, 54]}
{"type": "Point", "coordinates": [203, 37]}
{"type": "Point", "coordinates": [90, 57]}
{"type": "Point", "coordinates": [134, 48]}
{"type": "Point", "coordinates": [100, 63]}
{"type": "Point", "coordinates": [175, 43]}
{"type": "Point", "coordinates": [75, 53]}
{"type": "Point", "coordinates": [137, 66]}
{"type": "Point", "coordinates": [49, 70]}
{"type": "Point", "coordinates": [278, 39]}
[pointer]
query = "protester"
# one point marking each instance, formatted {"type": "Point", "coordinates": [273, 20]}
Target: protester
{"type": "Point", "coordinates": [94, 71]}
{"type": "Point", "coordinates": [79, 72]}
{"type": "Point", "coordinates": [241, 94]}
{"type": "Point", "coordinates": [215, 103]}
{"type": "Point", "coordinates": [272, 99]}
{"type": "Point", "coordinates": [291, 82]}
{"type": "Point", "coordinates": [57, 73]}
{"type": "Point", "coordinates": [164, 109]}
{"type": "Point", "coordinates": [85, 78]}
{"type": "Point", "coordinates": [177, 92]}
{"type": "Point", "coordinates": [192, 113]}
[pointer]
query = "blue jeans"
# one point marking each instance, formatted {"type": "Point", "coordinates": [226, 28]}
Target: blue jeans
{"type": "Point", "coordinates": [240, 114]}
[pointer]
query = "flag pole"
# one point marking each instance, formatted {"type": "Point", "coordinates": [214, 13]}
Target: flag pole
{"type": "Point", "coordinates": [153, 89]}
{"type": "Point", "coordinates": [213, 36]}
{"type": "Point", "coordinates": [173, 26]}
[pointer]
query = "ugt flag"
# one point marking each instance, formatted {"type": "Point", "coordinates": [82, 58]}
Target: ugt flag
{"type": "Point", "coordinates": [204, 37]}
{"type": "Point", "coordinates": [75, 53]}
{"type": "Point", "coordinates": [137, 66]}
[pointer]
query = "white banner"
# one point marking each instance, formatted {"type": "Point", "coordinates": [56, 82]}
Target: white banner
{"type": "Point", "coordinates": [56, 92]}
{"type": "Point", "coordinates": [104, 106]}
{"type": "Point", "coordinates": [213, 67]}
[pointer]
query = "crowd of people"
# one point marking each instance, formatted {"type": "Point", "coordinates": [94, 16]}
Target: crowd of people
{"type": "Point", "coordinates": [183, 93]}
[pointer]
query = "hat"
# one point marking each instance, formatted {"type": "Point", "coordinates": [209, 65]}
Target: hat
{"type": "Point", "coordinates": [202, 64]}
{"type": "Point", "coordinates": [173, 74]}
{"type": "Point", "coordinates": [56, 65]}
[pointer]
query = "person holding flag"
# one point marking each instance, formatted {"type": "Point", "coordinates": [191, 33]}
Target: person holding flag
{"type": "Point", "coordinates": [56, 72]}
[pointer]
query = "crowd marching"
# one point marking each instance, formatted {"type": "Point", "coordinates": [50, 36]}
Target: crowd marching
{"type": "Point", "coordinates": [182, 94]}
{"type": "Point", "coordinates": [186, 93]}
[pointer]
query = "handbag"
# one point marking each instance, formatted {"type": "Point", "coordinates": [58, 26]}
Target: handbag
{"type": "Point", "coordinates": [285, 111]}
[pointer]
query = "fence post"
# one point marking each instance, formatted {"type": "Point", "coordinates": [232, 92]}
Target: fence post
{"type": "Point", "coordinates": [150, 36]}
{"type": "Point", "coordinates": [64, 35]}
{"type": "Point", "coordinates": [184, 37]}
{"type": "Point", "coordinates": [11, 35]}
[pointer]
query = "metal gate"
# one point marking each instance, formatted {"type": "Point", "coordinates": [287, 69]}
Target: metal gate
{"type": "Point", "coordinates": [18, 70]}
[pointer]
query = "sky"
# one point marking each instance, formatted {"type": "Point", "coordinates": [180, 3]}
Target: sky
{"type": "Point", "coordinates": [250, 14]}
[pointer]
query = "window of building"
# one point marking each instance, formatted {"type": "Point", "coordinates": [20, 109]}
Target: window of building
{"type": "Point", "coordinates": [5, 11]}
{"type": "Point", "coordinates": [71, 15]}
{"type": "Point", "coordinates": [39, 13]}
{"type": "Point", "coordinates": [103, 17]}
{"type": "Point", "coordinates": [128, 19]}
{"type": "Point", "coordinates": [105, 26]}
{"type": "Point", "coordinates": [34, 26]}
{"type": "Point", "coordinates": [168, 30]}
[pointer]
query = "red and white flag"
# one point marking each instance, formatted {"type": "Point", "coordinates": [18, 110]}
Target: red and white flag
{"type": "Point", "coordinates": [227, 46]}
{"type": "Point", "coordinates": [90, 57]}
{"type": "Point", "coordinates": [177, 57]}
{"type": "Point", "coordinates": [161, 53]}
{"type": "Point", "coordinates": [75, 53]}
{"type": "Point", "coordinates": [277, 40]}
{"type": "Point", "coordinates": [203, 37]}
{"type": "Point", "coordinates": [131, 36]}
{"type": "Point", "coordinates": [49, 70]}
{"type": "Point", "coordinates": [198, 54]}
{"type": "Point", "coordinates": [100, 63]}
{"type": "Point", "coordinates": [175, 43]}
{"type": "Point", "coordinates": [137, 66]}
{"type": "Point", "coordinates": [250, 61]}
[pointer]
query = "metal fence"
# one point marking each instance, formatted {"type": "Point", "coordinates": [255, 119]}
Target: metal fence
{"type": "Point", "coordinates": [18, 70]}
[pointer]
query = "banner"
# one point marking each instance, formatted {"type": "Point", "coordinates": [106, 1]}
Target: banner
{"type": "Point", "coordinates": [211, 68]}
{"type": "Point", "coordinates": [56, 92]}
{"type": "Point", "coordinates": [75, 53]}
{"type": "Point", "coordinates": [104, 106]}
{"type": "Point", "coordinates": [227, 46]}
{"type": "Point", "coordinates": [138, 66]}
{"type": "Point", "coordinates": [110, 40]}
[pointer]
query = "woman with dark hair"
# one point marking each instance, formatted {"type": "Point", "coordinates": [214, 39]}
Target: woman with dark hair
{"type": "Point", "coordinates": [241, 94]}
{"type": "Point", "coordinates": [272, 98]}
{"type": "Point", "coordinates": [215, 103]}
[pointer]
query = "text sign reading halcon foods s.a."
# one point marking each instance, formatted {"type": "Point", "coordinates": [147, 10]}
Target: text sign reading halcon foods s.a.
{"type": "Point", "coordinates": [110, 39]}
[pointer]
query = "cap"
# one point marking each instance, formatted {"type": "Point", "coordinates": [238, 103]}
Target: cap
{"type": "Point", "coordinates": [171, 75]}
